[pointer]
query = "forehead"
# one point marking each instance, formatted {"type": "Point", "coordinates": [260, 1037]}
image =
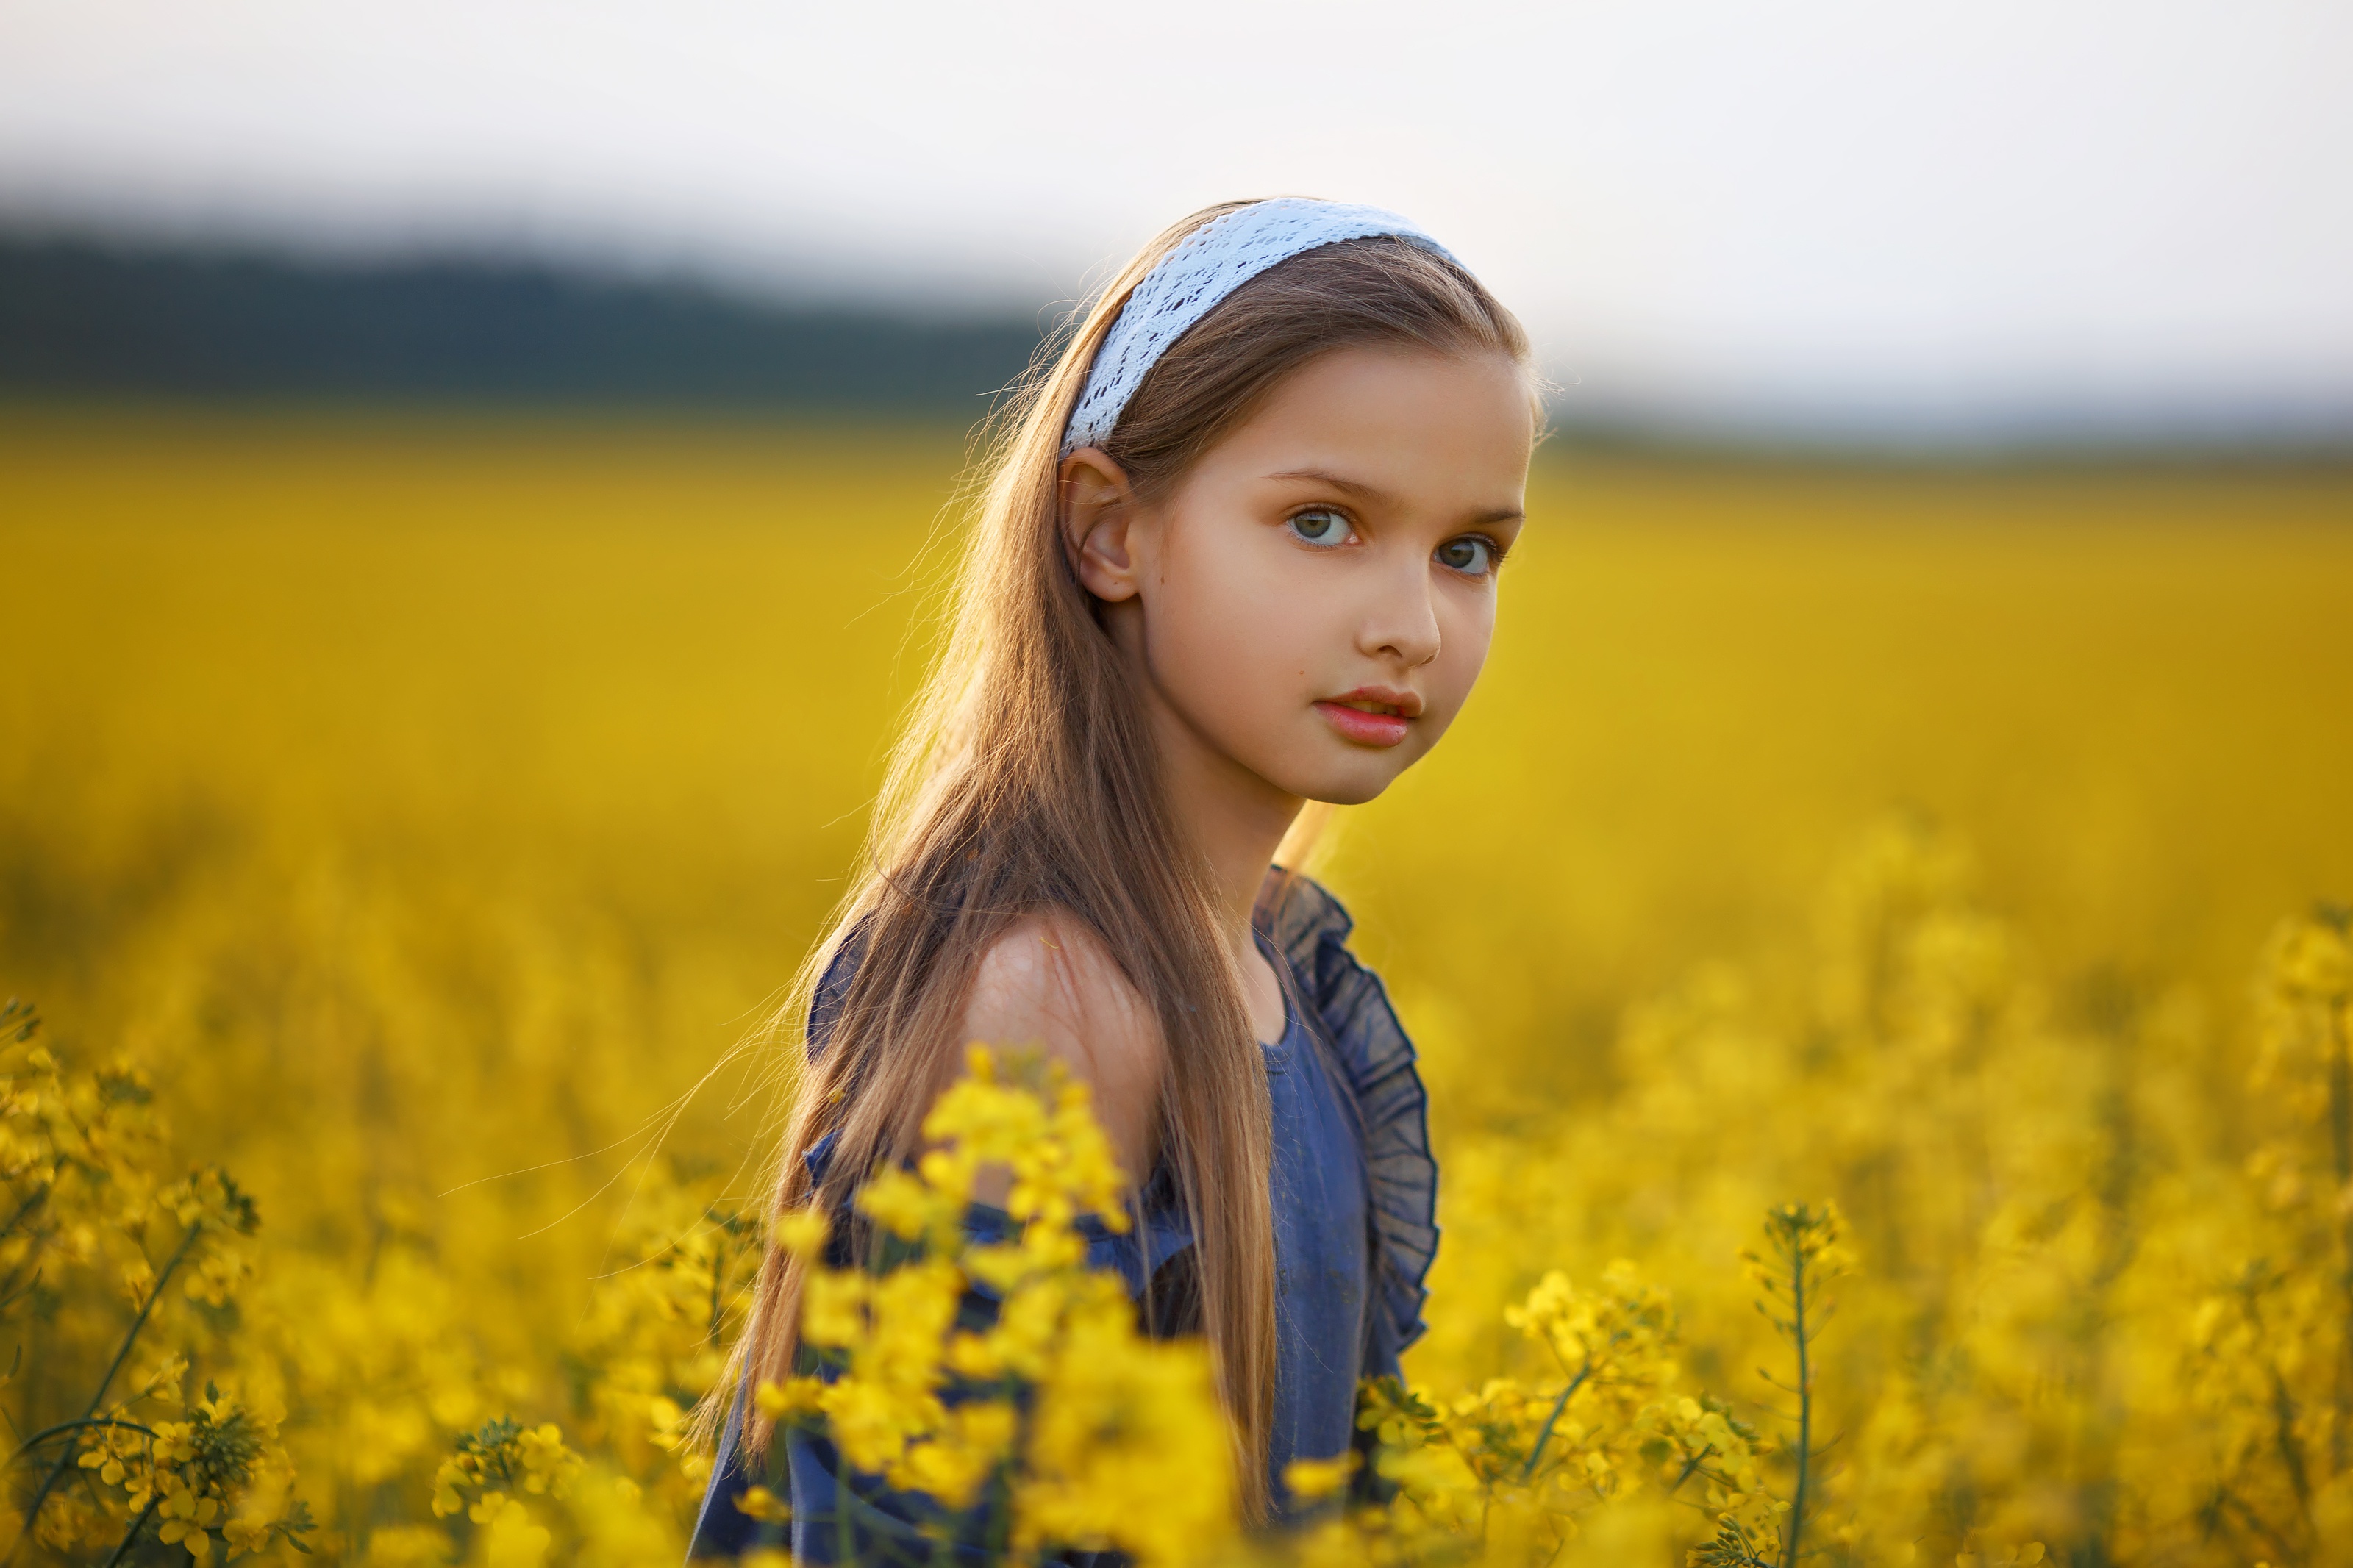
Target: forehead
{"type": "Point", "coordinates": [1424, 424]}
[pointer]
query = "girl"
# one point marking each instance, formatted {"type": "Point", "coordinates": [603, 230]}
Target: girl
{"type": "Point", "coordinates": [1237, 554]}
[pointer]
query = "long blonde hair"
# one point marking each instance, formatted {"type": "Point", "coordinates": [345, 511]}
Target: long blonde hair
{"type": "Point", "coordinates": [1026, 782]}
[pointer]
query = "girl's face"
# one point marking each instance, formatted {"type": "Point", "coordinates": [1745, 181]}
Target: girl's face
{"type": "Point", "coordinates": [1312, 603]}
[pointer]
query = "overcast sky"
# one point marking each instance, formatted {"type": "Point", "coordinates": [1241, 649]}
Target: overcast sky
{"type": "Point", "coordinates": [1950, 215]}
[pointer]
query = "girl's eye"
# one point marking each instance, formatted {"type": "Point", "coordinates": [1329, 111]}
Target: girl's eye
{"type": "Point", "coordinates": [1469, 554]}
{"type": "Point", "coordinates": [1321, 525]}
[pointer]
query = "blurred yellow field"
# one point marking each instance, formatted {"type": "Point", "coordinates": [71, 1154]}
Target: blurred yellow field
{"type": "Point", "coordinates": [428, 803]}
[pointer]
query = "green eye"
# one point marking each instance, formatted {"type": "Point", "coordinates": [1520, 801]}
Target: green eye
{"type": "Point", "coordinates": [1469, 553]}
{"type": "Point", "coordinates": [1320, 525]}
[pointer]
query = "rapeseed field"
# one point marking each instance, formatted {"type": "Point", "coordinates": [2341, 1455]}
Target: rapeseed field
{"type": "Point", "coordinates": [1891, 899]}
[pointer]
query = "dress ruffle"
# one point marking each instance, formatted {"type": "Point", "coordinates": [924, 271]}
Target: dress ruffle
{"type": "Point", "coordinates": [1310, 928]}
{"type": "Point", "coordinates": [1345, 1003]}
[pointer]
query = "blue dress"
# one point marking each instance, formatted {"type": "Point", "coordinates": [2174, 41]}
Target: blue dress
{"type": "Point", "coordinates": [1353, 1194]}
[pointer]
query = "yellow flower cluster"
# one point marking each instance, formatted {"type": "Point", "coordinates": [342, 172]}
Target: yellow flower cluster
{"type": "Point", "coordinates": [2068, 1313]}
{"type": "Point", "coordinates": [486, 1478]}
{"type": "Point", "coordinates": [2271, 1362]}
{"type": "Point", "coordinates": [94, 1234]}
{"type": "Point", "coordinates": [78, 1156]}
{"type": "Point", "coordinates": [1082, 1420]}
{"type": "Point", "coordinates": [1060, 1412]}
{"type": "Point", "coordinates": [501, 1456]}
{"type": "Point", "coordinates": [412, 890]}
{"type": "Point", "coordinates": [207, 1483]}
{"type": "Point", "coordinates": [1525, 1465]}
{"type": "Point", "coordinates": [655, 1334]}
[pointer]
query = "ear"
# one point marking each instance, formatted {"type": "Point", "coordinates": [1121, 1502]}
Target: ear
{"type": "Point", "coordinates": [1098, 511]}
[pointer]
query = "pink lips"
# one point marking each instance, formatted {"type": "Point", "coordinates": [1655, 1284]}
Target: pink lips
{"type": "Point", "coordinates": [1365, 729]}
{"type": "Point", "coordinates": [1371, 715]}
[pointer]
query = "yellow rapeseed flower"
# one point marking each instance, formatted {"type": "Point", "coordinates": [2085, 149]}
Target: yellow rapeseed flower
{"type": "Point", "coordinates": [793, 1397]}
{"type": "Point", "coordinates": [764, 1505]}
{"type": "Point", "coordinates": [1313, 1478]}
{"type": "Point", "coordinates": [803, 1232]}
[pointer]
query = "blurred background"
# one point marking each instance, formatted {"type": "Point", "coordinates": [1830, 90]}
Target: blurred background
{"type": "Point", "coordinates": [473, 479]}
{"type": "Point", "coordinates": [1932, 225]}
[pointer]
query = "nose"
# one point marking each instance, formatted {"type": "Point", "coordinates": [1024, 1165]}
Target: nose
{"type": "Point", "coordinates": [1400, 623]}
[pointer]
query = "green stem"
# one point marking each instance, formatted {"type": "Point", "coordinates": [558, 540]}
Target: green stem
{"type": "Point", "coordinates": [32, 1258]}
{"type": "Point", "coordinates": [1558, 1405]}
{"type": "Point", "coordinates": [1691, 1468]}
{"type": "Point", "coordinates": [1805, 1406]}
{"type": "Point", "coordinates": [2282, 1548]}
{"type": "Point", "coordinates": [123, 1354]}
{"type": "Point", "coordinates": [47, 1433]}
{"type": "Point", "coordinates": [33, 1200]}
{"type": "Point", "coordinates": [65, 1460]}
{"type": "Point", "coordinates": [133, 1534]}
{"type": "Point", "coordinates": [2283, 1438]}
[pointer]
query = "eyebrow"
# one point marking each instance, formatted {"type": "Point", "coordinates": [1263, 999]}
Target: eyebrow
{"type": "Point", "coordinates": [1379, 497]}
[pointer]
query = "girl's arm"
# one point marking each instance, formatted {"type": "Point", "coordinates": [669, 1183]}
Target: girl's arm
{"type": "Point", "coordinates": [1047, 984]}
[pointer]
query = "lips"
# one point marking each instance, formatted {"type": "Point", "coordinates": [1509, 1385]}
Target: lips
{"type": "Point", "coordinates": [1371, 716]}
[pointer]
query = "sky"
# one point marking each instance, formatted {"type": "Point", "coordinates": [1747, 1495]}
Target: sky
{"type": "Point", "coordinates": [1956, 221]}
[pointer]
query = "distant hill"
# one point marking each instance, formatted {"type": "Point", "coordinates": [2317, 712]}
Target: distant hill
{"type": "Point", "coordinates": [83, 319]}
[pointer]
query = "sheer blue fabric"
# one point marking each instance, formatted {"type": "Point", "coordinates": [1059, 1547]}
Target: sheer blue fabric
{"type": "Point", "coordinates": [1355, 1195]}
{"type": "Point", "coordinates": [1323, 1255]}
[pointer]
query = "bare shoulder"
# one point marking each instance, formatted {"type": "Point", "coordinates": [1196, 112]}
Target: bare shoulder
{"type": "Point", "coordinates": [1048, 982]}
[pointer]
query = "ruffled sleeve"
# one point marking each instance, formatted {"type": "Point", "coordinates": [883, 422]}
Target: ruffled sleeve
{"type": "Point", "coordinates": [1311, 930]}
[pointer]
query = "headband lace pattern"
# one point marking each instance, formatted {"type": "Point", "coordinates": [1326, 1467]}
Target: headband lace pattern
{"type": "Point", "coordinates": [1205, 267]}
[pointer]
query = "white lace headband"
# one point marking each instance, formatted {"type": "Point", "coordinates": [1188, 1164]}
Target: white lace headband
{"type": "Point", "coordinates": [1205, 267]}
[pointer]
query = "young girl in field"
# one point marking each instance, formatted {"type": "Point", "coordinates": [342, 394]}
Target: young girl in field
{"type": "Point", "coordinates": [1237, 554]}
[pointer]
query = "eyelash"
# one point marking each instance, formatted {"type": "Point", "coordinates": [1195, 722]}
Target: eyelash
{"type": "Point", "coordinates": [1495, 547]}
{"type": "Point", "coordinates": [1319, 509]}
{"type": "Point", "coordinates": [1495, 552]}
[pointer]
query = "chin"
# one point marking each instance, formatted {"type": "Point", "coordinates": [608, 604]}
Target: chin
{"type": "Point", "coordinates": [1350, 786]}
{"type": "Point", "coordinates": [1335, 773]}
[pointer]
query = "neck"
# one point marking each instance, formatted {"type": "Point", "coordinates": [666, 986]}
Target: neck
{"type": "Point", "coordinates": [1236, 818]}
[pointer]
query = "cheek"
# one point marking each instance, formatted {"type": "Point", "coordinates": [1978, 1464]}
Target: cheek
{"type": "Point", "coordinates": [1226, 627]}
{"type": "Point", "coordinates": [1233, 635]}
{"type": "Point", "coordinates": [1466, 623]}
